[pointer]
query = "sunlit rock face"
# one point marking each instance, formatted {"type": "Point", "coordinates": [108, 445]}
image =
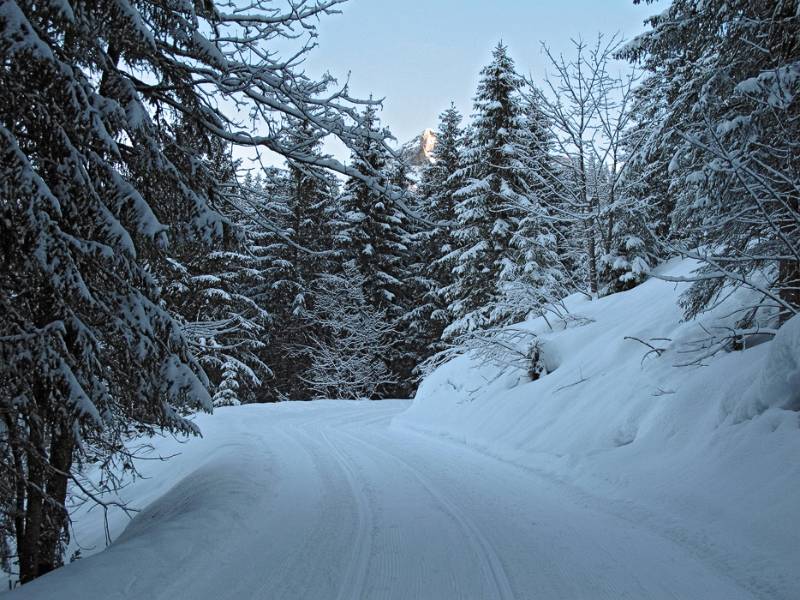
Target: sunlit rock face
{"type": "Point", "coordinates": [419, 151]}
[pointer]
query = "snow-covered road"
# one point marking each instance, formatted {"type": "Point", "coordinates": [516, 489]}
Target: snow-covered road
{"type": "Point", "coordinates": [327, 500]}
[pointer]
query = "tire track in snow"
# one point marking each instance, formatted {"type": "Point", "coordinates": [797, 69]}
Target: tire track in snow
{"type": "Point", "coordinates": [491, 564]}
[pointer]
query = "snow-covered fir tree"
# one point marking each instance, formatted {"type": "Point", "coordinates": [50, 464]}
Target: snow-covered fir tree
{"type": "Point", "coordinates": [99, 193]}
{"type": "Point", "coordinates": [538, 275]}
{"type": "Point", "coordinates": [303, 252]}
{"type": "Point", "coordinates": [489, 203]}
{"type": "Point", "coordinates": [414, 336]}
{"type": "Point", "coordinates": [438, 186]}
{"type": "Point", "coordinates": [373, 237]}
{"type": "Point", "coordinates": [732, 89]}
{"type": "Point", "coordinates": [211, 289]}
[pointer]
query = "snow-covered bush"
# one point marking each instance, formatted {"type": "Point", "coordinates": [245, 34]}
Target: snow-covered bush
{"type": "Point", "coordinates": [348, 353]}
{"type": "Point", "coordinates": [537, 366]}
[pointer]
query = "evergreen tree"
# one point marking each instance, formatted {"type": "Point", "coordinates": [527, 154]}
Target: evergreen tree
{"type": "Point", "coordinates": [303, 253]}
{"type": "Point", "coordinates": [108, 117]}
{"type": "Point", "coordinates": [374, 236]}
{"type": "Point", "coordinates": [413, 335]}
{"type": "Point", "coordinates": [488, 209]}
{"type": "Point", "coordinates": [438, 187]}
{"type": "Point", "coordinates": [537, 276]}
{"type": "Point", "coordinates": [732, 91]}
{"type": "Point", "coordinates": [210, 289]}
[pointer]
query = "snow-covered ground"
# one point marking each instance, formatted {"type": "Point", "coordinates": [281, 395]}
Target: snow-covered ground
{"type": "Point", "coordinates": [703, 455]}
{"type": "Point", "coordinates": [611, 477]}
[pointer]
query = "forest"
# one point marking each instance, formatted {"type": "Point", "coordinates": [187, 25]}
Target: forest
{"type": "Point", "coordinates": [149, 272]}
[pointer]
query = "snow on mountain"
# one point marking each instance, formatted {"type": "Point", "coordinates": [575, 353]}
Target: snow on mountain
{"type": "Point", "coordinates": [419, 151]}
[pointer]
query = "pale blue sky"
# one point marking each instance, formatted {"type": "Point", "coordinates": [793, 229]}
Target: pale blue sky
{"type": "Point", "coordinates": [420, 54]}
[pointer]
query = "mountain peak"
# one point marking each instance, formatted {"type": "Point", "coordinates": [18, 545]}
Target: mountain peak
{"type": "Point", "coordinates": [419, 151]}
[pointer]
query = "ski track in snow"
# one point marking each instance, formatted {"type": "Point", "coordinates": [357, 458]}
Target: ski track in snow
{"type": "Point", "coordinates": [327, 500]}
{"type": "Point", "coordinates": [356, 572]}
{"type": "Point", "coordinates": [491, 567]}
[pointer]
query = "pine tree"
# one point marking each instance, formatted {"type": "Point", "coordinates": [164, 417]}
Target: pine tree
{"type": "Point", "coordinates": [438, 187]}
{"type": "Point", "coordinates": [303, 253]}
{"type": "Point", "coordinates": [92, 184]}
{"type": "Point", "coordinates": [537, 276]}
{"type": "Point", "coordinates": [488, 209]}
{"type": "Point", "coordinates": [373, 235]}
{"type": "Point", "coordinates": [210, 292]}
{"type": "Point", "coordinates": [99, 192]}
{"type": "Point", "coordinates": [210, 289]}
{"type": "Point", "coordinates": [416, 332]}
{"type": "Point", "coordinates": [732, 91]}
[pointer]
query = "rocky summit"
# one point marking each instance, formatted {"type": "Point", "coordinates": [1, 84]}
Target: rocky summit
{"type": "Point", "coordinates": [419, 151]}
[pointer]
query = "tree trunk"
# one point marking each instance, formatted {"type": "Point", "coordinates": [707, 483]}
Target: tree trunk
{"type": "Point", "coordinates": [56, 517]}
{"type": "Point", "coordinates": [789, 270]}
{"type": "Point", "coordinates": [588, 205]}
{"type": "Point", "coordinates": [20, 491]}
{"type": "Point", "coordinates": [29, 549]}
{"type": "Point", "coordinates": [591, 252]}
{"type": "Point", "coordinates": [591, 248]}
{"type": "Point", "coordinates": [44, 516]}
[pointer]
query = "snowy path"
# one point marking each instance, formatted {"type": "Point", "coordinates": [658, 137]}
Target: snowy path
{"type": "Point", "coordinates": [327, 501]}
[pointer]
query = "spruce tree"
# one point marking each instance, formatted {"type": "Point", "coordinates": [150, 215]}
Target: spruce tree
{"type": "Point", "coordinates": [438, 187]}
{"type": "Point", "coordinates": [732, 91]}
{"type": "Point", "coordinates": [413, 334]}
{"type": "Point", "coordinates": [538, 275]}
{"type": "Point", "coordinates": [303, 253]}
{"type": "Point", "coordinates": [108, 117]}
{"type": "Point", "coordinates": [374, 237]}
{"type": "Point", "coordinates": [488, 209]}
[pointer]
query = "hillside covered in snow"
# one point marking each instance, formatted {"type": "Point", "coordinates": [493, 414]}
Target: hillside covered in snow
{"type": "Point", "coordinates": [700, 452]}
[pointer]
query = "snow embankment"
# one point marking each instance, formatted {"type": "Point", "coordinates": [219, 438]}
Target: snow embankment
{"type": "Point", "coordinates": [704, 453]}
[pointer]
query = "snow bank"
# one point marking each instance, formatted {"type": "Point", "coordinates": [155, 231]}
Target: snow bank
{"type": "Point", "coordinates": [778, 383]}
{"type": "Point", "coordinates": [192, 509]}
{"type": "Point", "coordinates": [712, 446]}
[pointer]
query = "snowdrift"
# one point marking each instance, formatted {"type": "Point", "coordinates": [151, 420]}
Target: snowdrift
{"type": "Point", "coordinates": [712, 447]}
